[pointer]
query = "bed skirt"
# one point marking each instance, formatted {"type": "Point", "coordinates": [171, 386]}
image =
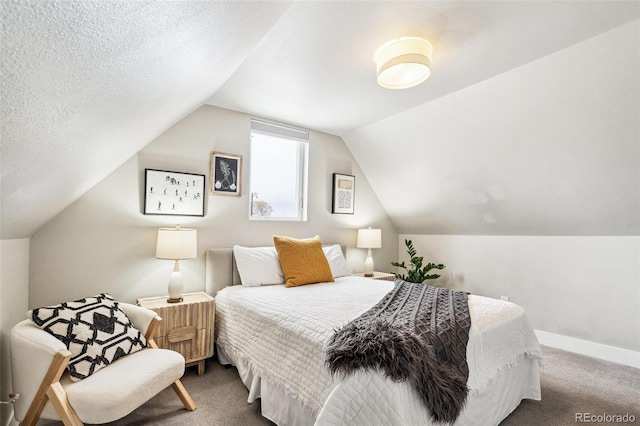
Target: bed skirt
{"type": "Point", "coordinates": [489, 407]}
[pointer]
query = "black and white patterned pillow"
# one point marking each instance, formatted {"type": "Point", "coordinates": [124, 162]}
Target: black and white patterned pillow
{"type": "Point", "coordinates": [94, 329]}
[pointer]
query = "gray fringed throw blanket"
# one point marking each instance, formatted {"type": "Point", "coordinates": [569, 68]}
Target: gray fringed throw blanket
{"type": "Point", "coordinates": [416, 333]}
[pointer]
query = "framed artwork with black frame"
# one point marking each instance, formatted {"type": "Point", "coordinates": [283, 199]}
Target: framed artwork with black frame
{"type": "Point", "coordinates": [226, 174]}
{"type": "Point", "coordinates": [173, 193]}
{"type": "Point", "coordinates": [344, 192]}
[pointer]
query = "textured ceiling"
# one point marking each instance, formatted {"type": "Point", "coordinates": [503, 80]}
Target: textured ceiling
{"type": "Point", "coordinates": [87, 84]}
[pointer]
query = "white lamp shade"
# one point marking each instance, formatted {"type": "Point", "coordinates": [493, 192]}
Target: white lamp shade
{"type": "Point", "coordinates": [177, 243]}
{"type": "Point", "coordinates": [369, 238]}
{"type": "Point", "coordinates": [403, 62]}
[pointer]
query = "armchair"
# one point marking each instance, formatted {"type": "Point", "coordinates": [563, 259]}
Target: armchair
{"type": "Point", "coordinates": [39, 361]}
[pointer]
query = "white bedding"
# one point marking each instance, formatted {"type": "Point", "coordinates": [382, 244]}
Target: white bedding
{"type": "Point", "coordinates": [278, 334]}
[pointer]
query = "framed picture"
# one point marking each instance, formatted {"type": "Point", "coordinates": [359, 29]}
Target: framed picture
{"type": "Point", "coordinates": [344, 191]}
{"type": "Point", "coordinates": [226, 174]}
{"type": "Point", "coordinates": [173, 193]}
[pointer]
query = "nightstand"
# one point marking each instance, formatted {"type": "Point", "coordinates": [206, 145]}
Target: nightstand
{"type": "Point", "coordinates": [385, 276]}
{"type": "Point", "coordinates": [186, 327]}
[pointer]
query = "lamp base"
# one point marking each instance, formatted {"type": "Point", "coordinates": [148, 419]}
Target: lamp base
{"type": "Point", "coordinates": [368, 265]}
{"type": "Point", "coordinates": [175, 284]}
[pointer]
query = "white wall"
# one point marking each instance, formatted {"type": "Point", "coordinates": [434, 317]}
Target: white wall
{"type": "Point", "coordinates": [14, 294]}
{"type": "Point", "coordinates": [103, 242]}
{"type": "Point", "coordinates": [582, 287]}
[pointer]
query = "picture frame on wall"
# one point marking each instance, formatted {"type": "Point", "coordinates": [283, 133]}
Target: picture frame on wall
{"type": "Point", "coordinates": [173, 193]}
{"type": "Point", "coordinates": [226, 174]}
{"type": "Point", "coordinates": [344, 191]}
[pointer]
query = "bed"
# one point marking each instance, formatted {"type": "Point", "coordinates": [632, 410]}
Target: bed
{"type": "Point", "coordinates": [275, 338]}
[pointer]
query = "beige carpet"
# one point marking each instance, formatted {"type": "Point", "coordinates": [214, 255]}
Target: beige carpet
{"type": "Point", "coordinates": [574, 384]}
{"type": "Point", "coordinates": [570, 384]}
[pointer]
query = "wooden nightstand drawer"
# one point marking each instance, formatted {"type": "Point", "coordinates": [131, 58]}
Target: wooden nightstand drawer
{"type": "Point", "coordinates": [181, 334]}
{"type": "Point", "coordinates": [186, 327]}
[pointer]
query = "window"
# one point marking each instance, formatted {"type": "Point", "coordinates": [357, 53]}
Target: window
{"type": "Point", "coordinates": [278, 176]}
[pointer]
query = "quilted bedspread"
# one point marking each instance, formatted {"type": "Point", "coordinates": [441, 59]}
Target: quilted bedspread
{"type": "Point", "coordinates": [280, 333]}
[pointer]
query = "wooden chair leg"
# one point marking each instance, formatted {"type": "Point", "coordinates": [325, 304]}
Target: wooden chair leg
{"type": "Point", "coordinates": [183, 395]}
{"type": "Point", "coordinates": [57, 367]}
{"type": "Point", "coordinates": [58, 398]}
{"type": "Point", "coordinates": [177, 385]}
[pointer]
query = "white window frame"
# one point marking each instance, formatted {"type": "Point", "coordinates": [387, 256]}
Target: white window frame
{"type": "Point", "coordinates": [301, 184]}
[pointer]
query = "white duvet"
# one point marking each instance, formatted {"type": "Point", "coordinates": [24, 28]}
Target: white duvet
{"type": "Point", "coordinates": [280, 332]}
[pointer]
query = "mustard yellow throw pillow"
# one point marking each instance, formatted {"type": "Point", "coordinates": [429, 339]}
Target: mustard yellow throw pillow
{"type": "Point", "coordinates": [302, 261]}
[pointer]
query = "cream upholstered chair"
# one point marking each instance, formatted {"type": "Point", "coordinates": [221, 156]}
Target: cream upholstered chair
{"type": "Point", "coordinates": [39, 361]}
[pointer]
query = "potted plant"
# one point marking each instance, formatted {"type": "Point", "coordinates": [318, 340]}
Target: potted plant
{"type": "Point", "coordinates": [416, 273]}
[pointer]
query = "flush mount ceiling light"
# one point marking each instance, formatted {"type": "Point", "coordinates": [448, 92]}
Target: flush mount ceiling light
{"type": "Point", "coordinates": [403, 62]}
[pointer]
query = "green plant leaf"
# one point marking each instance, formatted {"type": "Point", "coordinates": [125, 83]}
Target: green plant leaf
{"type": "Point", "coordinates": [416, 273]}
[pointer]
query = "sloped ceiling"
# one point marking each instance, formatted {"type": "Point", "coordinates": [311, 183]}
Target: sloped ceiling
{"type": "Point", "coordinates": [549, 148]}
{"type": "Point", "coordinates": [86, 85]}
{"type": "Point", "coordinates": [315, 67]}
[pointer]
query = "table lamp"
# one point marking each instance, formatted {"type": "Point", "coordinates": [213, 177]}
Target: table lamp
{"type": "Point", "coordinates": [176, 244]}
{"type": "Point", "coordinates": [369, 238]}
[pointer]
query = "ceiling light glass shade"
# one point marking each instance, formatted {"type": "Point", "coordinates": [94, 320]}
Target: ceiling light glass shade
{"type": "Point", "coordinates": [403, 62]}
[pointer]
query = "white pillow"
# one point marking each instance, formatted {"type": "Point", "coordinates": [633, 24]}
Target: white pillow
{"type": "Point", "coordinates": [337, 262]}
{"type": "Point", "coordinates": [258, 266]}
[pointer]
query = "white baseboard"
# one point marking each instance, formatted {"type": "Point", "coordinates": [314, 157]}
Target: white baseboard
{"type": "Point", "coordinates": [584, 347]}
